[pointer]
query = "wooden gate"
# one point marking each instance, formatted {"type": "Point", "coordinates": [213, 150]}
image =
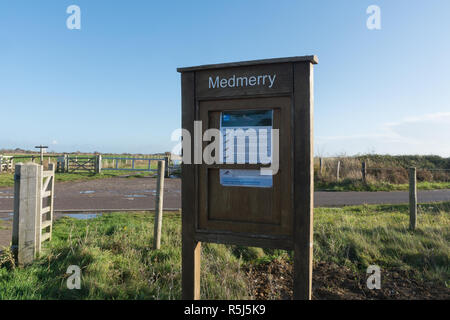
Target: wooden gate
{"type": "Point", "coordinates": [47, 188]}
{"type": "Point", "coordinates": [6, 164]}
{"type": "Point", "coordinates": [81, 164]}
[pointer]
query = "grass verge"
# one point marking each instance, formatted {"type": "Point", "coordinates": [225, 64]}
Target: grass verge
{"type": "Point", "coordinates": [117, 262]}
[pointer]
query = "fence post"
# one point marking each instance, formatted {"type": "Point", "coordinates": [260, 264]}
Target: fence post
{"type": "Point", "coordinates": [98, 163]}
{"type": "Point", "coordinates": [412, 199]}
{"type": "Point", "coordinates": [338, 167]}
{"type": "Point", "coordinates": [320, 166]}
{"type": "Point", "coordinates": [1, 163]}
{"type": "Point", "coordinates": [364, 171]}
{"type": "Point", "coordinates": [166, 163]}
{"type": "Point", "coordinates": [66, 163]}
{"type": "Point", "coordinates": [27, 205]}
{"type": "Point", "coordinates": [159, 205]}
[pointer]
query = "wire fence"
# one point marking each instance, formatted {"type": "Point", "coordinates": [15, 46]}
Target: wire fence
{"type": "Point", "coordinates": [335, 169]}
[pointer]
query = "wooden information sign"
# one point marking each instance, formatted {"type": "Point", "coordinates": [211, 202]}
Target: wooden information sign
{"type": "Point", "coordinates": [233, 202]}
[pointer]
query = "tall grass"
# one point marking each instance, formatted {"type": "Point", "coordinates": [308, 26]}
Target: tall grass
{"type": "Point", "coordinates": [117, 262]}
{"type": "Point", "coordinates": [384, 173]}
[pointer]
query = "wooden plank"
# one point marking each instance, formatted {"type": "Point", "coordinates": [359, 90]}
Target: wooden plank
{"type": "Point", "coordinates": [313, 59]}
{"type": "Point", "coordinates": [45, 236]}
{"type": "Point", "coordinates": [249, 240]}
{"type": "Point", "coordinates": [46, 183]}
{"type": "Point", "coordinates": [45, 210]}
{"type": "Point", "coordinates": [303, 179]}
{"type": "Point", "coordinates": [51, 167]}
{"type": "Point", "coordinates": [46, 174]}
{"type": "Point", "coordinates": [46, 194]}
{"type": "Point", "coordinates": [191, 248]}
{"type": "Point", "coordinates": [252, 80]}
{"type": "Point", "coordinates": [45, 224]}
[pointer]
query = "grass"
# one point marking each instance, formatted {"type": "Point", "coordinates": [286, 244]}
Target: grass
{"type": "Point", "coordinates": [378, 234]}
{"type": "Point", "coordinates": [117, 262]}
{"type": "Point", "coordinates": [358, 185]}
{"type": "Point", "coordinates": [7, 179]}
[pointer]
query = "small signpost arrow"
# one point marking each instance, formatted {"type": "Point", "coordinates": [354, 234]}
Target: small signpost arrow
{"type": "Point", "coordinates": [41, 148]}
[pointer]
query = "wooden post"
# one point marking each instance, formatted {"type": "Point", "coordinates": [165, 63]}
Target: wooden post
{"type": "Point", "coordinates": [27, 209]}
{"type": "Point", "coordinates": [66, 163]}
{"type": "Point", "coordinates": [321, 166]}
{"type": "Point", "coordinates": [338, 167]}
{"type": "Point", "coordinates": [159, 206]}
{"type": "Point", "coordinates": [412, 199]}
{"type": "Point", "coordinates": [98, 163]}
{"type": "Point", "coordinates": [167, 162]}
{"type": "Point", "coordinates": [15, 230]}
{"type": "Point", "coordinates": [303, 180]}
{"type": "Point", "coordinates": [191, 249]}
{"type": "Point", "coordinates": [364, 171]}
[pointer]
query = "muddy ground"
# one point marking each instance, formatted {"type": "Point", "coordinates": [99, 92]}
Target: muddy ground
{"type": "Point", "coordinates": [333, 282]}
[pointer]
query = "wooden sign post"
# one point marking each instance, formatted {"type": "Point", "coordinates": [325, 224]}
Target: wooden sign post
{"type": "Point", "coordinates": [236, 203]}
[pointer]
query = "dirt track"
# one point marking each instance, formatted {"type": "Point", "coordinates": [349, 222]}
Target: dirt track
{"type": "Point", "coordinates": [139, 194]}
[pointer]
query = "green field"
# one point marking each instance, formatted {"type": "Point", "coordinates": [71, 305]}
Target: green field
{"type": "Point", "coordinates": [117, 261]}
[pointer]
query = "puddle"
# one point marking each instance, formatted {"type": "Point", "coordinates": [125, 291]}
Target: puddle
{"type": "Point", "coordinates": [136, 196]}
{"type": "Point", "coordinates": [152, 191]}
{"type": "Point", "coordinates": [6, 197]}
{"type": "Point", "coordinates": [82, 216]}
{"type": "Point", "coordinates": [87, 192]}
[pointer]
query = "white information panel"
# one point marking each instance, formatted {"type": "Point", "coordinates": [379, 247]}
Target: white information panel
{"type": "Point", "coordinates": [244, 178]}
{"type": "Point", "coordinates": [247, 139]}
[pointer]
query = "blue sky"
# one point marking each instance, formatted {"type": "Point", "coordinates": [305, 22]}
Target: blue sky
{"type": "Point", "coordinates": [113, 87]}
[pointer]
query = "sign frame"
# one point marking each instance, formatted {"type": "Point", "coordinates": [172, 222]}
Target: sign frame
{"type": "Point", "coordinates": [253, 80]}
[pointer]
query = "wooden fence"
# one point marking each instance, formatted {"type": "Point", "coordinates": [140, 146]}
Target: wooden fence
{"type": "Point", "coordinates": [33, 210]}
{"type": "Point", "coordinates": [95, 164]}
{"type": "Point", "coordinates": [6, 164]}
{"type": "Point", "coordinates": [336, 169]}
{"type": "Point", "coordinates": [129, 164]}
